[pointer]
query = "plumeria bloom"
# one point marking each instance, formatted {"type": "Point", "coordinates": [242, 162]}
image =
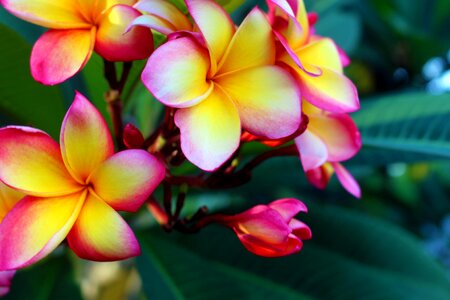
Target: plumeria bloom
{"type": "Point", "coordinates": [73, 190]}
{"type": "Point", "coordinates": [270, 230]}
{"type": "Point", "coordinates": [77, 28]}
{"type": "Point", "coordinates": [8, 198]}
{"type": "Point", "coordinates": [221, 81]}
{"type": "Point", "coordinates": [329, 139]}
{"type": "Point", "coordinates": [315, 61]}
{"type": "Point", "coordinates": [162, 16]}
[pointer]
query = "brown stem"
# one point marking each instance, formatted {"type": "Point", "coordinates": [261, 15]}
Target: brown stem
{"type": "Point", "coordinates": [113, 97]}
{"type": "Point", "coordinates": [168, 200]}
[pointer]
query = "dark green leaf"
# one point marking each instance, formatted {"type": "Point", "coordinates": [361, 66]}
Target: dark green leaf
{"type": "Point", "coordinates": [51, 279]}
{"type": "Point", "coordinates": [404, 127]}
{"type": "Point", "coordinates": [22, 99]}
{"type": "Point", "coordinates": [170, 272]}
{"type": "Point", "coordinates": [351, 256]}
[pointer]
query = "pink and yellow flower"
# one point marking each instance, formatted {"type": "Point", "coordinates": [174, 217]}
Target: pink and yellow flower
{"type": "Point", "coordinates": [77, 28]}
{"type": "Point", "coordinates": [315, 61]}
{"type": "Point", "coordinates": [162, 16]}
{"type": "Point", "coordinates": [270, 230]}
{"type": "Point", "coordinates": [221, 81]}
{"type": "Point", "coordinates": [73, 190]}
{"type": "Point", "coordinates": [329, 139]}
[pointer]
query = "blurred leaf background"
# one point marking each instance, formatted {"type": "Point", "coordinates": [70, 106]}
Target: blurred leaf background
{"type": "Point", "coordinates": [392, 244]}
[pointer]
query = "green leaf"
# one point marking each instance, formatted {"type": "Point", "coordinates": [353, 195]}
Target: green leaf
{"type": "Point", "coordinates": [51, 279]}
{"type": "Point", "coordinates": [97, 85]}
{"type": "Point", "coordinates": [230, 5]}
{"type": "Point", "coordinates": [343, 27]}
{"type": "Point", "coordinates": [171, 272]}
{"type": "Point", "coordinates": [22, 99]}
{"type": "Point", "coordinates": [404, 127]}
{"type": "Point", "coordinates": [351, 256]}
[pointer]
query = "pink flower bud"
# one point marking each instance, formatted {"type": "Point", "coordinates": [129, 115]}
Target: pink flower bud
{"type": "Point", "coordinates": [132, 137]}
{"type": "Point", "coordinates": [271, 230]}
{"type": "Point", "coordinates": [5, 281]}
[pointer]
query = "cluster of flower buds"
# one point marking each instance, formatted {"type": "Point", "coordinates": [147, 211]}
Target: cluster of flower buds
{"type": "Point", "coordinates": [270, 80]}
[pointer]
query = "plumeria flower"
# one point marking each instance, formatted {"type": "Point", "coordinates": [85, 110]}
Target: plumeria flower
{"type": "Point", "coordinates": [270, 230]}
{"type": "Point", "coordinates": [162, 16]}
{"type": "Point", "coordinates": [73, 190]}
{"type": "Point", "coordinates": [329, 139]}
{"type": "Point", "coordinates": [77, 28]}
{"type": "Point", "coordinates": [8, 198]}
{"type": "Point", "coordinates": [221, 81]}
{"type": "Point", "coordinates": [316, 61]}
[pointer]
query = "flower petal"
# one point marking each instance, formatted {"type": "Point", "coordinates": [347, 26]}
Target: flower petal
{"type": "Point", "coordinates": [210, 131]}
{"type": "Point", "coordinates": [261, 248]}
{"type": "Point", "coordinates": [252, 45]}
{"type": "Point", "coordinates": [59, 54]}
{"type": "Point", "coordinates": [313, 151]}
{"type": "Point", "coordinates": [35, 227]}
{"type": "Point", "coordinates": [127, 179]}
{"type": "Point", "coordinates": [215, 25]}
{"type": "Point", "coordinates": [101, 234]}
{"type": "Point", "coordinates": [289, 19]}
{"type": "Point", "coordinates": [321, 53]}
{"type": "Point", "coordinates": [264, 223]}
{"type": "Point", "coordinates": [165, 11]}
{"type": "Point", "coordinates": [85, 139]}
{"type": "Point", "coordinates": [115, 43]}
{"type": "Point", "coordinates": [31, 162]}
{"type": "Point", "coordinates": [8, 198]}
{"type": "Point", "coordinates": [62, 14]}
{"type": "Point", "coordinates": [330, 91]}
{"type": "Point", "coordinates": [347, 180]}
{"type": "Point", "coordinates": [153, 22]}
{"type": "Point", "coordinates": [288, 208]}
{"type": "Point", "coordinates": [300, 229]}
{"type": "Point", "coordinates": [267, 99]}
{"type": "Point", "coordinates": [319, 177]}
{"type": "Point", "coordinates": [176, 73]}
{"type": "Point", "coordinates": [338, 132]}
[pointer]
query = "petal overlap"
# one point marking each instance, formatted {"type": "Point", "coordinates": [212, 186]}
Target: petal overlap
{"type": "Point", "coordinates": [176, 73]}
{"type": "Point", "coordinates": [113, 41]}
{"type": "Point", "coordinates": [126, 179]}
{"type": "Point", "coordinates": [253, 45]}
{"type": "Point", "coordinates": [267, 100]}
{"type": "Point", "coordinates": [215, 25]}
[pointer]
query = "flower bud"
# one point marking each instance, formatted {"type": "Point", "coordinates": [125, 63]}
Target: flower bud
{"type": "Point", "coordinates": [132, 137]}
{"type": "Point", "coordinates": [271, 230]}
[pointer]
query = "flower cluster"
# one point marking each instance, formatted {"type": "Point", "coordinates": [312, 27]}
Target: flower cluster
{"type": "Point", "coordinates": [270, 80]}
